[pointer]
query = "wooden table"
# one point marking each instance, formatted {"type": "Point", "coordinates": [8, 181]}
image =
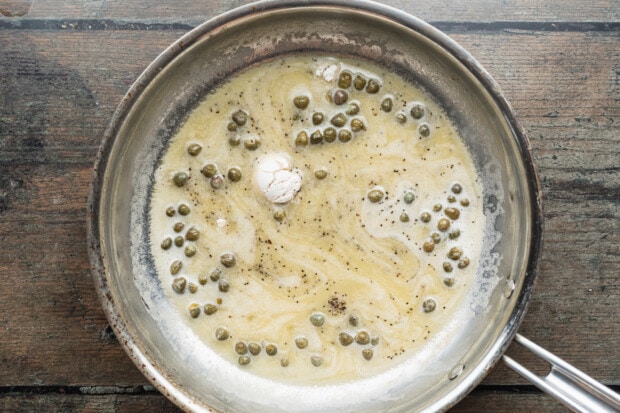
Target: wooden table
{"type": "Point", "coordinates": [65, 65]}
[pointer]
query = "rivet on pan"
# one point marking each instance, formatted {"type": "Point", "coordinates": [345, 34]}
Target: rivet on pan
{"type": "Point", "coordinates": [456, 371]}
{"type": "Point", "coordinates": [510, 287]}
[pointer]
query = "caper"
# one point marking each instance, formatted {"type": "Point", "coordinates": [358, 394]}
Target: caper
{"type": "Point", "coordinates": [316, 361]}
{"type": "Point", "coordinates": [232, 126]}
{"type": "Point", "coordinates": [301, 139]}
{"type": "Point", "coordinates": [357, 125]}
{"type": "Point", "coordinates": [359, 82]}
{"type": "Point", "coordinates": [374, 341]}
{"type": "Point", "coordinates": [234, 140]}
{"type": "Point", "coordinates": [254, 349]}
{"type": "Point", "coordinates": [175, 267]}
{"type": "Point", "coordinates": [417, 111]}
{"type": "Point", "coordinates": [428, 246]}
{"type": "Point", "coordinates": [373, 86]}
{"type": "Point", "coordinates": [437, 207]}
{"type": "Point", "coordinates": [401, 117]}
{"type": "Point", "coordinates": [194, 310]}
{"type": "Point", "coordinates": [340, 97]}
{"type": "Point", "coordinates": [425, 217]}
{"type": "Point", "coordinates": [241, 348]}
{"type": "Point", "coordinates": [463, 263]}
{"type": "Point", "coordinates": [180, 179]}
{"type": "Point", "coordinates": [194, 149]}
{"type": "Point", "coordinates": [454, 234]}
{"type": "Point", "coordinates": [228, 259]}
{"type": "Point", "coordinates": [436, 237]}
{"type": "Point", "coordinates": [465, 202]}
{"type": "Point", "coordinates": [452, 213]}
{"type": "Point", "coordinates": [179, 284]}
{"type": "Point", "coordinates": [455, 253]}
{"type": "Point", "coordinates": [222, 334]}
{"type": "Point", "coordinates": [279, 215]}
{"type": "Point", "coordinates": [170, 211]}
{"type": "Point", "coordinates": [234, 174]}
{"type": "Point", "coordinates": [386, 104]}
{"type": "Point", "coordinates": [271, 349]}
{"type": "Point", "coordinates": [404, 217]}
{"type": "Point", "coordinates": [209, 170]}
{"type": "Point", "coordinates": [244, 360]}
{"type": "Point", "coordinates": [329, 134]}
{"type": "Point", "coordinates": [316, 137]}
{"type": "Point", "coordinates": [447, 267]}
{"type": "Point", "coordinates": [317, 319]}
{"type": "Point", "coordinates": [192, 288]}
{"type": "Point", "coordinates": [184, 209]}
{"type": "Point", "coordinates": [317, 118]}
{"type": "Point", "coordinates": [353, 108]}
{"type": "Point", "coordinates": [190, 250]}
{"type": "Point", "coordinates": [443, 225]}
{"type": "Point", "coordinates": [367, 353]}
{"type": "Point", "coordinates": [179, 241]}
{"type": "Point", "coordinates": [203, 279]}
{"type": "Point", "coordinates": [192, 234]}
{"type": "Point", "coordinates": [166, 243]}
{"type": "Point", "coordinates": [362, 337]}
{"type": "Point", "coordinates": [344, 135]}
{"type": "Point", "coordinates": [409, 197]}
{"type": "Point", "coordinates": [251, 144]}
{"type": "Point", "coordinates": [320, 174]}
{"type": "Point", "coordinates": [345, 338]}
{"type": "Point", "coordinates": [457, 188]}
{"type": "Point", "coordinates": [215, 274]}
{"type": "Point", "coordinates": [210, 309]}
{"type": "Point", "coordinates": [339, 120]}
{"type": "Point", "coordinates": [354, 321]}
{"type": "Point", "coordinates": [424, 130]}
{"type": "Point", "coordinates": [344, 80]}
{"type": "Point", "coordinates": [178, 227]}
{"type": "Point", "coordinates": [376, 195]}
{"type": "Point", "coordinates": [217, 181]}
{"type": "Point", "coordinates": [223, 286]}
{"type": "Point", "coordinates": [451, 199]}
{"type": "Point", "coordinates": [301, 342]}
{"type": "Point", "coordinates": [240, 117]}
{"type": "Point", "coordinates": [284, 362]}
{"type": "Point", "coordinates": [448, 281]}
{"type": "Point", "coordinates": [429, 305]}
{"type": "Point", "coordinates": [301, 102]}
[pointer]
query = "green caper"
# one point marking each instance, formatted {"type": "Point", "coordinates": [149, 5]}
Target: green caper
{"type": "Point", "coordinates": [209, 170]}
{"type": "Point", "coordinates": [367, 353]}
{"type": "Point", "coordinates": [320, 174]}
{"type": "Point", "coordinates": [362, 337]}
{"type": "Point", "coordinates": [376, 195]}
{"type": "Point", "coordinates": [401, 117]}
{"type": "Point", "coordinates": [194, 310]}
{"type": "Point", "coordinates": [359, 82]}
{"type": "Point", "coordinates": [451, 199]}
{"type": "Point", "coordinates": [175, 267]}
{"type": "Point", "coordinates": [424, 130]}
{"type": "Point", "coordinates": [254, 349]}
{"type": "Point", "coordinates": [340, 97]}
{"type": "Point", "coordinates": [232, 126]}
{"type": "Point", "coordinates": [357, 125]}
{"type": "Point", "coordinates": [354, 321]}
{"type": "Point", "coordinates": [454, 234]}
{"type": "Point", "coordinates": [437, 207]}
{"type": "Point", "coordinates": [228, 260]}
{"type": "Point", "coordinates": [428, 246]}
{"type": "Point", "coordinates": [317, 118]}
{"type": "Point", "coordinates": [463, 263]}
{"type": "Point", "coordinates": [166, 243]}
{"type": "Point", "coordinates": [404, 217]}
{"type": "Point", "coordinates": [234, 140]}
{"type": "Point", "coordinates": [184, 209]}
{"type": "Point", "coordinates": [448, 281]}
{"type": "Point", "coordinates": [284, 362]}
{"type": "Point", "coordinates": [234, 174]}
{"type": "Point", "coordinates": [387, 104]}
{"type": "Point", "coordinates": [301, 102]}
{"type": "Point", "coordinates": [179, 284]}
{"type": "Point", "coordinates": [244, 360]}
{"type": "Point", "coordinates": [271, 349]}
{"type": "Point", "coordinates": [317, 319]}
{"type": "Point", "coordinates": [329, 134]}
{"type": "Point", "coordinates": [457, 188]}
{"type": "Point", "coordinates": [373, 86]}
{"type": "Point", "coordinates": [344, 80]}
{"type": "Point", "coordinates": [241, 348]}
{"type": "Point", "coordinates": [353, 108]}
{"type": "Point", "coordinates": [374, 341]}
{"type": "Point", "coordinates": [222, 334]}
{"type": "Point", "coordinates": [179, 241]}
{"type": "Point", "coordinates": [279, 215]}
{"type": "Point", "coordinates": [301, 139]}
{"type": "Point", "coordinates": [170, 211]}
{"type": "Point", "coordinates": [409, 197]}
{"type": "Point", "coordinates": [251, 144]}
{"type": "Point", "coordinates": [339, 120]}
{"type": "Point", "coordinates": [465, 202]}
{"type": "Point", "coordinates": [429, 305]}
{"type": "Point", "coordinates": [217, 181]}
{"type": "Point", "coordinates": [452, 213]}
{"type": "Point", "coordinates": [190, 250]}
{"type": "Point", "coordinates": [240, 117]}
{"type": "Point", "coordinates": [447, 267]}
{"type": "Point", "coordinates": [210, 309]}
{"type": "Point", "coordinates": [223, 286]}
{"type": "Point", "coordinates": [194, 149]}
{"type": "Point", "coordinates": [192, 234]}
{"type": "Point", "coordinates": [345, 338]}
{"type": "Point", "coordinates": [417, 111]}
{"type": "Point", "coordinates": [443, 225]}
{"type": "Point", "coordinates": [316, 361]}
{"type": "Point", "coordinates": [203, 279]}
{"type": "Point", "coordinates": [455, 253]}
{"type": "Point", "coordinates": [180, 178]}
{"type": "Point", "coordinates": [215, 274]}
{"type": "Point", "coordinates": [316, 137]}
{"type": "Point", "coordinates": [193, 288]}
{"type": "Point", "coordinates": [344, 135]}
{"type": "Point", "coordinates": [301, 342]}
{"type": "Point", "coordinates": [178, 227]}
{"type": "Point", "coordinates": [425, 217]}
{"type": "Point", "coordinates": [436, 237]}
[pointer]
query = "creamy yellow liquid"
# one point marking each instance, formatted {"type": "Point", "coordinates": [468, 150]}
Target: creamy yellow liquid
{"type": "Point", "coordinates": [334, 252]}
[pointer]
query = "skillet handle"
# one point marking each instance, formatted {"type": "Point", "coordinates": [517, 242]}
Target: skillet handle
{"type": "Point", "coordinates": [565, 383]}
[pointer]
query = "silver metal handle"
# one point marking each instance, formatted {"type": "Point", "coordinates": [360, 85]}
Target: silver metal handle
{"type": "Point", "coordinates": [570, 386]}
